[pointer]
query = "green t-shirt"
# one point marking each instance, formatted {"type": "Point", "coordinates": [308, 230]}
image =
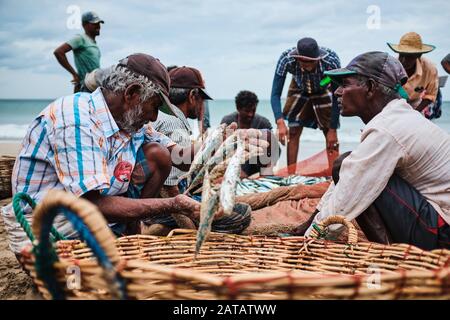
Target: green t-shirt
{"type": "Point", "coordinates": [86, 54]}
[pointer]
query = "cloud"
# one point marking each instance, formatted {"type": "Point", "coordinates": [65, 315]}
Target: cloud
{"type": "Point", "coordinates": [236, 44]}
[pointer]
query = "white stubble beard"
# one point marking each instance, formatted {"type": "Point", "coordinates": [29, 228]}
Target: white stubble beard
{"type": "Point", "coordinates": [131, 119]}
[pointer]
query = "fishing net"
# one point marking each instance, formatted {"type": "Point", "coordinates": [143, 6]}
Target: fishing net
{"type": "Point", "coordinates": [297, 192]}
{"type": "Point", "coordinates": [318, 165]}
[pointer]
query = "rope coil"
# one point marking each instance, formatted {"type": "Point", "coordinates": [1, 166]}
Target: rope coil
{"type": "Point", "coordinates": [89, 223]}
{"type": "Point", "coordinates": [20, 216]}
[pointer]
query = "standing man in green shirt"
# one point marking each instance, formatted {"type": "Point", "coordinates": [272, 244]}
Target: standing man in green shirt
{"type": "Point", "coordinates": [85, 50]}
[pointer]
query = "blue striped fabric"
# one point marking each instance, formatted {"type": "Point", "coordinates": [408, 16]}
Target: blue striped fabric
{"type": "Point", "coordinates": [308, 82]}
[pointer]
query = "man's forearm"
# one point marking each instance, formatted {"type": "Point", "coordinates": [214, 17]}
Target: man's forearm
{"type": "Point", "coordinates": [123, 210]}
{"type": "Point", "coordinates": [62, 59]}
{"type": "Point", "coordinates": [275, 97]}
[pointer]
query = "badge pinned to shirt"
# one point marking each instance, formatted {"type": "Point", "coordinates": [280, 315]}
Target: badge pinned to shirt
{"type": "Point", "coordinates": [123, 170]}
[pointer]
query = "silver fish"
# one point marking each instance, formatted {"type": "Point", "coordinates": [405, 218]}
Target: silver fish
{"type": "Point", "coordinates": [209, 205]}
{"type": "Point", "coordinates": [212, 142]}
{"type": "Point", "coordinates": [226, 149]}
{"type": "Point", "coordinates": [231, 176]}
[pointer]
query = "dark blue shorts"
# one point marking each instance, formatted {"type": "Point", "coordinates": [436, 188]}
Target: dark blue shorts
{"type": "Point", "coordinates": [410, 218]}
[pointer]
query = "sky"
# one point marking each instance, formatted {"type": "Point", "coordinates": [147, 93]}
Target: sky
{"type": "Point", "coordinates": [235, 44]}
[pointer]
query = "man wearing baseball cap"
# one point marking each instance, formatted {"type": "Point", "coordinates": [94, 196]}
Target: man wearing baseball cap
{"type": "Point", "coordinates": [396, 182]}
{"type": "Point", "coordinates": [311, 105]}
{"type": "Point", "coordinates": [100, 147]}
{"type": "Point", "coordinates": [85, 50]}
{"type": "Point", "coordinates": [188, 94]}
{"type": "Point", "coordinates": [423, 81]}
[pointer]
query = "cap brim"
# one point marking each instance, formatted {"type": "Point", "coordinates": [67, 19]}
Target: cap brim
{"type": "Point", "coordinates": [336, 75]}
{"type": "Point", "coordinates": [425, 49]}
{"type": "Point", "coordinates": [166, 105]}
{"type": "Point", "coordinates": [322, 55]}
{"type": "Point", "coordinates": [97, 21]}
{"type": "Point", "coordinates": [205, 94]}
{"type": "Point", "coordinates": [341, 72]}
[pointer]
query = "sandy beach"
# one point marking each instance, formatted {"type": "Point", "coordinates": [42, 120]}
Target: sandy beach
{"type": "Point", "coordinates": [9, 148]}
{"type": "Point", "coordinates": [15, 284]}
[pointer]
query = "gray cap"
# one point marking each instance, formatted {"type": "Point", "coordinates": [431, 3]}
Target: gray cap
{"type": "Point", "coordinates": [91, 17]}
{"type": "Point", "coordinates": [379, 66]}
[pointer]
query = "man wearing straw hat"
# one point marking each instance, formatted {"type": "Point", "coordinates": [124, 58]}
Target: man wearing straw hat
{"type": "Point", "coordinates": [423, 81]}
{"type": "Point", "coordinates": [188, 95]}
{"type": "Point", "coordinates": [396, 183]}
{"type": "Point", "coordinates": [313, 104]}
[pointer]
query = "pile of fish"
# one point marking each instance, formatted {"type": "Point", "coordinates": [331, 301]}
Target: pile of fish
{"type": "Point", "coordinates": [265, 184]}
{"type": "Point", "coordinates": [215, 171]}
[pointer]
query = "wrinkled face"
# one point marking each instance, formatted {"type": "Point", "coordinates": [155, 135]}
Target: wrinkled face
{"type": "Point", "coordinates": [308, 65]}
{"type": "Point", "coordinates": [351, 97]}
{"type": "Point", "coordinates": [408, 60]}
{"type": "Point", "coordinates": [92, 28]}
{"type": "Point", "coordinates": [247, 113]}
{"type": "Point", "coordinates": [137, 114]}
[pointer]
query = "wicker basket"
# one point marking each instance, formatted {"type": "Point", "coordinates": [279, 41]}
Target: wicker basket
{"type": "Point", "coordinates": [228, 266]}
{"type": "Point", "coordinates": [6, 168]}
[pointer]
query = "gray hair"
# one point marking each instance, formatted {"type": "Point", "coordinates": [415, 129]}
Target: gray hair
{"type": "Point", "coordinates": [121, 77]}
{"type": "Point", "coordinates": [179, 95]}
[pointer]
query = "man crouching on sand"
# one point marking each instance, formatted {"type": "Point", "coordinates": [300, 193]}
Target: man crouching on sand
{"type": "Point", "coordinates": [98, 146]}
{"type": "Point", "coordinates": [396, 183]}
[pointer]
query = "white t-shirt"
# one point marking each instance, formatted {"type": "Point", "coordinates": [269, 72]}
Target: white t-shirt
{"type": "Point", "coordinates": [398, 139]}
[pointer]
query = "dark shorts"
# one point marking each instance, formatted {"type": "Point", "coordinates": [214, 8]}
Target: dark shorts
{"type": "Point", "coordinates": [309, 111]}
{"type": "Point", "coordinates": [410, 218]}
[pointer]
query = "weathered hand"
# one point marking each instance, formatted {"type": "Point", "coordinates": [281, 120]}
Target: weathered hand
{"type": "Point", "coordinates": [282, 131]}
{"type": "Point", "coordinates": [229, 130]}
{"type": "Point", "coordinates": [76, 79]}
{"type": "Point", "coordinates": [187, 206]}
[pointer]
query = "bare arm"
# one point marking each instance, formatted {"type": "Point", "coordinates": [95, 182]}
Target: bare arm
{"type": "Point", "coordinates": [60, 54]}
{"type": "Point", "coordinates": [124, 210]}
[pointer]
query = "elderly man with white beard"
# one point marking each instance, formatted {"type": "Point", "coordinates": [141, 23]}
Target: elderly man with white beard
{"type": "Point", "coordinates": [98, 146]}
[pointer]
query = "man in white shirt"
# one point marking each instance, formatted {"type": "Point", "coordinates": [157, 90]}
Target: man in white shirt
{"type": "Point", "coordinates": [399, 174]}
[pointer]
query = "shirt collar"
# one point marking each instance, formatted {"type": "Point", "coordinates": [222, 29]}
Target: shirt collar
{"type": "Point", "coordinates": [104, 116]}
{"type": "Point", "coordinates": [182, 117]}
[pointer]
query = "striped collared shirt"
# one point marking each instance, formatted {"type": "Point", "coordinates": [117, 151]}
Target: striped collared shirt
{"type": "Point", "coordinates": [308, 82]}
{"type": "Point", "coordinates": [75, 145]}
{"type": "Point", "coordinates": [179, 131]}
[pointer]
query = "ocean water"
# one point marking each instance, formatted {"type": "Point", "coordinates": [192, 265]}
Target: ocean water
{"type": "Point", "coordinates": [16, 115]}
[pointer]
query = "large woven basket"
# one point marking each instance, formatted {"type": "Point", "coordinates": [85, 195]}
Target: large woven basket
{"type": "Point", "coordinates": [228, 266]}
{"type": "Point", "coordinates": [6, 168]}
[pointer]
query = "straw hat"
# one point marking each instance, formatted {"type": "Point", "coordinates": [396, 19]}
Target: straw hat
{"type": "Point", "coordinates": [411, 42]}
